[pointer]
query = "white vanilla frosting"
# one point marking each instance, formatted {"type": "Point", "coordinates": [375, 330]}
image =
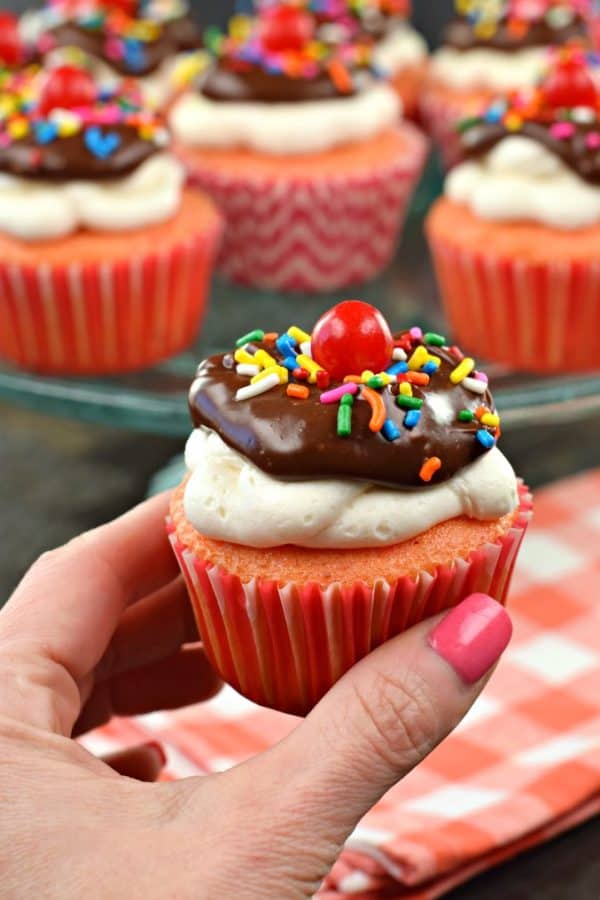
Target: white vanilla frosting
{"type": "Point", "coordinates": [521, 179]}
{"type": "Point", "coordinates": [496, 70]}
{"type": "Point", "coordinates": [36, 210]}
{"type": "Point", "coordinates": [228, 498]}
{"type": "Point", "coordinates": [403, 46]}
{"type": "Point", "coordinates": [285, 128]}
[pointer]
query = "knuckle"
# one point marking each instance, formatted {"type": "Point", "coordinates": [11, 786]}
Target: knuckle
{"type": "Point", "coordinates": [401, 721]}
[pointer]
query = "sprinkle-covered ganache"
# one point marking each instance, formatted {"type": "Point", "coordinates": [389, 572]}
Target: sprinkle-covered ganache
{"type": "Point", "coordinates": [562, 114]}
{"type": "Point", "coordinates": [294, 404]}
{"type": "Point", "coordinates": [72, 129]}
{"type": "Point", "coordinates": [510, 25]}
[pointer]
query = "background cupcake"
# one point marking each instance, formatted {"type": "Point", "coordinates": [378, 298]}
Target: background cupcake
{"type": "Point", "coordinates": [104, 258]}
{"type": "Point", "coordinates": [116, 40]}
{"type": "Point", "coordinates": [490, 48]}
{"type": "Point", "coordinates": [516, 237]}
{"type": "Point", "coordinates": [299, 144]}
{"type": "Point", "coordinates": [383, 499]}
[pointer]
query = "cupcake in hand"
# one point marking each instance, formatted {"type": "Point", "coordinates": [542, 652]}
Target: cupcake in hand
{"type": "Point", "coordinates": [300, 146]}
{"type": "Point", "coordinates": [491, 48]}
{"type": "Point", "coordinates": [516, 236]}
{"type": "Point", "coordinates": [104, 256]}
{"type": "Point", "coordinates": [343, 485]}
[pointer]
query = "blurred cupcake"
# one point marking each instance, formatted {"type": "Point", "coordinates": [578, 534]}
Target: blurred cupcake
{"type": "Point", "coordinates": [516, 237]}
{"type": "Point", "coordinates": [326, 511]}
{"type": "Point", "coordinates": [300, 146]}
{"type": "Point", "coordinates": [117, 39]}
{"type": "Point", "coordinates": [104, 258]}
{"type": "Point", "coordinates": [491, 48]}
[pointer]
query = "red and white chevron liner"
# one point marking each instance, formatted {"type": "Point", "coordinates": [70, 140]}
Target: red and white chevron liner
{"type": "Point", "coordinates": [284, 646]}
{"type": "Point", "coordinates": [312, 233]}
{"type": "Point", "coordinates": [440, 117]}
{"type": "Point", "coordinates": [101, 318]}
{"type": "Point", "coordinates": [537, 317]}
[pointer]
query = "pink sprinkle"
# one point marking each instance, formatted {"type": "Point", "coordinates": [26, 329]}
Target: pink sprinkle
{"type": "Point", "coordinates": [480, 376]}
{"type": "Point", "coordinates": [337, 393]}
{"type": "Point", "coordinates": [593, 140]}
{"type": "Point", "coordinates": [114, 48]}
{"type": "Point", "coordinates": [416, 333]}
{"type": "Point", "coordinates": [46, 43]}
{"type": "Point", "coordinates": [4, 139]}
{"type": "Point", "coordinates": [562, 130]}
{"type": "Point", "coordinates": [456, 351]}
{"type": "Point", "coordinates": [109, 115]}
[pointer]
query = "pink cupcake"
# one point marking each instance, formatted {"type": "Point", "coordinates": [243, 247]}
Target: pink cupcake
{"type": "Point", "coordinates": [343, 485]}
{"type": "Point", "coordinates": [301, 148]}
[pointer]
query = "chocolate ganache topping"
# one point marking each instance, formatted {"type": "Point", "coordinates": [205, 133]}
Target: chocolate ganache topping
{"type": "Point", "coordinates": [422, 421]}
{"type": "Point", "coordinates": [558, 25]}
{"type": "Point", "coordinates": [106, 140]}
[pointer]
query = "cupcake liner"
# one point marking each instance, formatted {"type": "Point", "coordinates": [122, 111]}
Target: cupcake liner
{"type": "Point", "coordinates": [321, 233]}
{"type": "Point", "coordinates": [440, 112]}
{"type": "Point", "coordinates": [101, 318]}
{"type": "Point", "coordinates": [537, 317]}
{"type": "Point", "coordinates": [284, 646]}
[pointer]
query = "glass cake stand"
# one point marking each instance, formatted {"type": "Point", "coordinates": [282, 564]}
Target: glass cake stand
{"type": "Point", "coordinates": [154, 401]}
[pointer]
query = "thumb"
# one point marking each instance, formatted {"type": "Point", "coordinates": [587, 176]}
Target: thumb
{"type": "Point", "coordinates": [379, 721]}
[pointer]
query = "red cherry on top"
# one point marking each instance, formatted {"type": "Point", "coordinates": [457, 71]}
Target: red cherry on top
{"type": "Point", "coordinates": [129, 7]}
{"type": "Point", "coordinates": [569, 83]}
{"type": "Point", "coordinates": [67, 87]}
{"type": "Point", "coordinates": [351, 338]}
{"type": "Point", "coordinates": [283, 28]}
{"type": "Point", "coordinates": [11, 50]}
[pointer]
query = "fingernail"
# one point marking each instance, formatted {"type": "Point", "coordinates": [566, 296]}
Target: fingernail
{"type": "Point", "coordinates": [157, 748]}
{"type": "Point", "coordinates": [473, 636]}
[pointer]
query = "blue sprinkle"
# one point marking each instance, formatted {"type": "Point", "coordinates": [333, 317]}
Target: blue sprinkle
{"type": "Point", "coordinates": [412, 418]}
{"type": "Point", "coordinates": [398, 368]}
{"type": "Point", "coordinates": [485, 439]}
{"type": "Point", "coordinates": [430, 368]}
{"type": "Point", "coordinates": [135, 55]}
{"type": "Point", "coordinates": [286, 345]}
{"type": "Point", "coordinates": [105, 94]}
{"type": "Point", "coordinates": [101, 145]}
{"type": "Point", "coordinates": [291, 363]}
{"type": "Point", "coordinates": [389, 430]}
{"type": "Point", "coordinates": [45, 132]}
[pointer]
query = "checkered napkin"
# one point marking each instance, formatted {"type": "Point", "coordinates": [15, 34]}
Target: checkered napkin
{"type": "Point", "coordinates": [522, 767]}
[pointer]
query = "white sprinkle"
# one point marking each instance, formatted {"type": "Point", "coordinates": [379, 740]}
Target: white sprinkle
{"type": "Point", "coordinates": [247, 369]}
{"type": "Point", "coordinates": [399, 355]}
{"type": "Point", "coordinates": [583, 114]}
{"type": "Point", "coordinates": [305, 349]}
{"type": "Point", "coordinates": [259, 387]}
{"type": "Point", "coordinates": [474, 385]}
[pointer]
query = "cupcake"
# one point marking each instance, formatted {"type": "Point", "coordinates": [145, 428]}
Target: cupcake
{"type": "Point", "coordinates": [300, 146]}
{"type": "Point", "coordinates": [515, 237]}
{"type": "Point", "coordinates": [492, 48]}
{"type": "Point", "coordinates": [104, 256]}
{"type": "Point", "coordinates": [117, 40]}
{"type": "Point", "coordinates": [343, 485]}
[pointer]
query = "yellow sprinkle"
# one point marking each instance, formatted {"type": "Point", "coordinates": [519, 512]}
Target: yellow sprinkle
{"type": "Point", "coordinates": [434, 359]}
{"type": "Point", "coordinates": [240, 27]}
{"type": "Point", "coordinates": [463, 370]}
{"type": "Point", "coordinates": [264, 359]}
{"type": "Point", "coordinates": [188, 69]}
{"type": "Point", "coordinates": [242, 356]}
{"type": "Point", "coordinates": [144, 30]}
{"type": "Point", "coordinates": [490, 419]}
{"type": "Point", "coordinates": [418, 359]}
{"type": "Point", "coordinates": [385, 378]}
{"type": "Point", "coordinates": [280, 371]}
{"type": "Point", "coordinates": [513, 122]}
{"type": "Point", "coordinates": [406, 389]}
{"type": "Point", "coordinates": [305, 362]}
{"type": "Point", "coordinates": [18, 128]}
{"type": "Point", "coordinates": [66, 123]}
{"type": "Point", "coordinates": [301, 336]}
{"type": "Point", "coordinates": [146, 132]}
{"type": "Point", "coordinates": [8, 105]}
{"type": "Point", "coordinates": [366, 375]}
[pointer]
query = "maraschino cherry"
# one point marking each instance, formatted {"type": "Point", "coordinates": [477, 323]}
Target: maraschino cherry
{"type": "Point", "coordinates": [351, 338]}
{"type": "Point", "coordinates": [569, 83]}
{"type": "Point", "coordinates": [285, 28]}
{"type": "Point", "coordinates": [128, 7]}
{"type": "Point", "coordinates": [67, 87]}
{"type": "Point", "coordinates": [11, 49]}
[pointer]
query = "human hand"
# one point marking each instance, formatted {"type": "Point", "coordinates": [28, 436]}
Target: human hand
{"type": "Point", "coordinates": [103, 626]}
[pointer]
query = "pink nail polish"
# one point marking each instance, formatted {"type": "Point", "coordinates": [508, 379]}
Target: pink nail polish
{"type": "Point", "coordinates": [473, 636]}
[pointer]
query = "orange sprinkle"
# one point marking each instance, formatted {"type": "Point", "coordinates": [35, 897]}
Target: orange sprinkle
{"type": "Point", "coordinates": [340, 76]}
{"type": "Point", "coordinates": [357, 379]}
{"type": "Point", "coordinates": [377, 405]}
{"type": "Point", "coordinates": [429, 468]}
{"type": "Point", "coordinates": [270, 337]}
{"type": "Point", "coordinates": [481, 411]}
{"type": "Point", "coordinates": [298, 391]}
{"type": "Point", "coordinates": [421, 378]}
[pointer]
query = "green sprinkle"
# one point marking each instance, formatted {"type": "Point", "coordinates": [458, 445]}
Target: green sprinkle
{"type": "Point", "coordinates": [256, 335]}
{"type": "Point", "coordinates": [436, 340]}
{"type": "Point", "coordinates": [466, 124]}
{"type": "Point", "coordinates": [405, 402]}
{"type": "Point", "coordinates": [465, 415]}
{"type": "Point", "coordinates": [344, 420]}
{"type": "Point", "coordinates": [347, 400]}
{"type": "Point", "coordinates": [376, 382]}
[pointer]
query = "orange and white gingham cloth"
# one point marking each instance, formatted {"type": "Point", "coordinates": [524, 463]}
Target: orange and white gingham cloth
{"type": "Point", "coordinates": [522, 767]}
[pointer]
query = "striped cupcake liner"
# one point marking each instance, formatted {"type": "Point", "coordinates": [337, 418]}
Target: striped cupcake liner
{"type": "Point", "coordinates": [440, 114]}
{"type": "Point", "coordinates": [284, 646]}
{"type": "Point", "coordinates": [104, 318]}
{"type": "Point", "coordinates": [312, 234]}
{"type": "Point", "coordinates": [536, 317]}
